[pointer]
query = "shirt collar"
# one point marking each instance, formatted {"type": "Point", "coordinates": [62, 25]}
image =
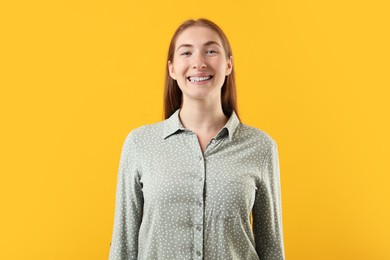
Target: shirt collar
{"type": "Point", "coordinates": [173, 125]}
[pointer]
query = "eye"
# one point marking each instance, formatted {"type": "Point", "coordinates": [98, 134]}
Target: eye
{"type": "Point", "coordinates": [185, 53]}
{"type": "Point", "coordinates": [211, 51]}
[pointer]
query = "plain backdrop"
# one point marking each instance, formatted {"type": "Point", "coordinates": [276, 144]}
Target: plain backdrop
{"type": "Point", "coordinates": [77, 76]}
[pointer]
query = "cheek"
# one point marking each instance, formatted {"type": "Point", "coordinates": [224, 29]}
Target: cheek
{"type": "Point", "coordinates": [180, 68]}
{"type": "Point", "coordinates": [220, 64]}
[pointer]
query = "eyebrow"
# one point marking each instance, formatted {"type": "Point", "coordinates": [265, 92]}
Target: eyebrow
{"type": "Point", "coordinates": [206, 44]}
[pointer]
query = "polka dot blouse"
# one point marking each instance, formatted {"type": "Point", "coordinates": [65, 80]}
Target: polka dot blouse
{"type": "Point", "coordinates": [174, 202]}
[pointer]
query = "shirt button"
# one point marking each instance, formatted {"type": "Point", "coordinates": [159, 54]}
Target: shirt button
{"type": "Point", "coordinates": [198, 253]}
{"type": "Point", "coordinates": [200, 179]}
{"type": "Point", "coordinates": [198, 228]}
{"type": "Point", "coordinates": [200, 204]}
{"type": "Point", "coordinates": [213, 141]}
{"type": "Point", "coordinates": [200, 157]}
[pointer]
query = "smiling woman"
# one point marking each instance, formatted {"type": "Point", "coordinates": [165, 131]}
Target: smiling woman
{"type": "Point", "coordinates": [200, 61]}
{"type": "Point", "coordinates": [186, 47]}
{"type": "Point", "coordinates": [188, 185]}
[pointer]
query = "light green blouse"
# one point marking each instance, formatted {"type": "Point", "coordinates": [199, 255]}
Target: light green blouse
{"type": "Point", "coordinates": [173, 202]}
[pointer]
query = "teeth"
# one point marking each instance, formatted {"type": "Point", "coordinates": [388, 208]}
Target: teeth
{"type": "Point", "coordinates": [197, 79]}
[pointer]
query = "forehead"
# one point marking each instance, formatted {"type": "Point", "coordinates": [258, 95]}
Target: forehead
{"type": "Point", "coordinates": [197, 35]}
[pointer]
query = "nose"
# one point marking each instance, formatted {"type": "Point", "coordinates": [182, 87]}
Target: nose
{"type": "Point", "coordinates": [199, 61]}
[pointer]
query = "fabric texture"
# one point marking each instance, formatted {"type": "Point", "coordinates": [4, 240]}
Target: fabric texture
{"type": "Point", "coordinates": [174, 202]}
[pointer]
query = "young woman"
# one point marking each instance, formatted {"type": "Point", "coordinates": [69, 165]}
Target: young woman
{"type": "Point", "coordinates": [189, 186]}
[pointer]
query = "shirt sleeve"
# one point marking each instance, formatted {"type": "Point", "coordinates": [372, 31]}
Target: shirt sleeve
{"type": "Point", "coordinates": [128, 205]}
{"type": "Point", "coordinates": [267, 210]}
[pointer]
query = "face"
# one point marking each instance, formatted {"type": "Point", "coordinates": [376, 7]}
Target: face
{"type": "Point", "coordinates": [199, 64]}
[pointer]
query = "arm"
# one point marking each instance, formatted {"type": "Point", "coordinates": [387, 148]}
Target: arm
{"type": "Point", "coordinates": [128, 205]}
{"type": "Point", "coordinates": [267, 210]}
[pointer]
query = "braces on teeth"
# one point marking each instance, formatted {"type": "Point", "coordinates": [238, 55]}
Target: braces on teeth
{"type": "Point", "coordinates": [199, 78]}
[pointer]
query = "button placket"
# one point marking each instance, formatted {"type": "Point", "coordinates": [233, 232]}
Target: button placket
{"type": "Point", "coordinates": [199, 206]}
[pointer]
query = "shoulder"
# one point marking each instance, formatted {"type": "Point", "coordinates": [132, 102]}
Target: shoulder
{"type": "Point", "coordinates": [145, 132]}
{"type": "Point", "coordinates": [257, 137]}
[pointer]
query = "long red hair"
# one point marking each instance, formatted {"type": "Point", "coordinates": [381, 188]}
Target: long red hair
{"type": "Point", "coordinates": [172, 92]}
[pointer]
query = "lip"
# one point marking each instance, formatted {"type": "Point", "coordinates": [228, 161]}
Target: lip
{"type": "Point", "coordinates": [200, 82]}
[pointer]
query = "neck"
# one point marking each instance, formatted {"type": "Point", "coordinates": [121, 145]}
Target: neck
{"type": "Point", "coordinates": [202, 117]}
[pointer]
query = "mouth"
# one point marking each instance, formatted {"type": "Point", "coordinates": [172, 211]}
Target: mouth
{"type": "Point", "coordinates": [200, 79]}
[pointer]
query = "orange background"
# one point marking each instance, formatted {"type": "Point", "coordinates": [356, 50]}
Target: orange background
{"type": "Point", "coordinates": [77, 76]}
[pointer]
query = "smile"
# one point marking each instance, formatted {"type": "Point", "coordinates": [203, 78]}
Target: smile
{"type": "Point", "coordinates": [199, 79]}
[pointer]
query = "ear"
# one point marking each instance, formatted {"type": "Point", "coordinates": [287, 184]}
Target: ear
{"type": "Point", "coordinates": [170, 69]}
{"type": "Point", "coordinates": [229, 66]}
